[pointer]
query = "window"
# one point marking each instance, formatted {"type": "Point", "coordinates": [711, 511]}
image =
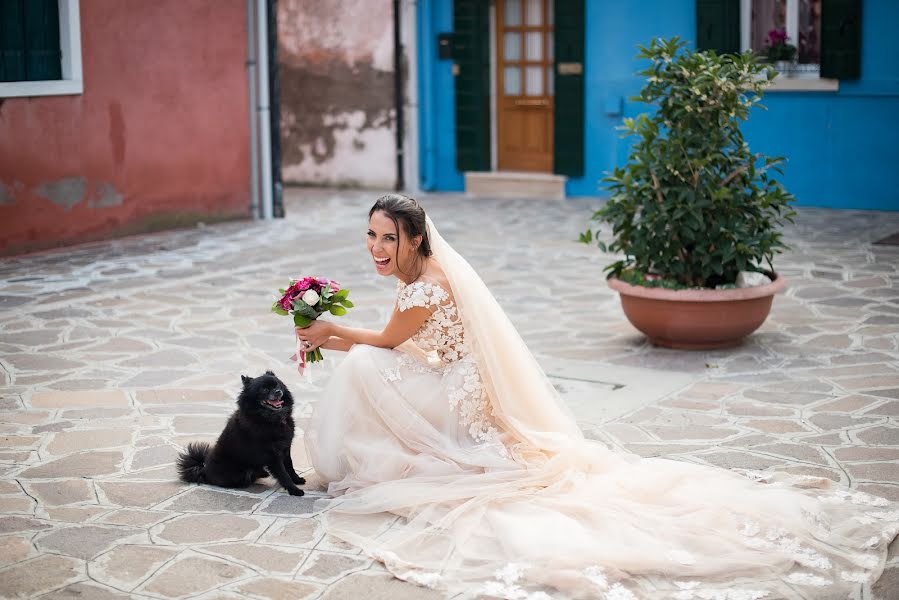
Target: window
{"type": "Point", "coordinates": [526, 55]}
{"type": "Point", "coordinates": [40, 48]}
{"type": "Point", "coordinates": [824, 35]}
{"type": "Point", "coordinates": [788, 31]}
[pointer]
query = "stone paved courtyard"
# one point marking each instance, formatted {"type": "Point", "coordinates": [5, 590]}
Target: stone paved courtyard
{"type": "Point", "coordinates": [114, 355]}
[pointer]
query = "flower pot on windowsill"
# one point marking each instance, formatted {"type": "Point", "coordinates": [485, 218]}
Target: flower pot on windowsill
{"type": "Point", "coordinates": [700, 319]}
{"type": "Point", "coordinates": [784, 67]}
{"type": "Point", "coordinates": [787, 68]}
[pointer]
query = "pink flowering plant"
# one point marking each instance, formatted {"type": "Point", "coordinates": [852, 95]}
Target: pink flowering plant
{"type": "Point", "coordinates": [306, 300]}
{"type": "Point", "coordinates": [778, 48]}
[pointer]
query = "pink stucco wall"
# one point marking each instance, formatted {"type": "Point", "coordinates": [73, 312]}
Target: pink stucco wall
{"type": "Point", "coordinates": [159, 137]}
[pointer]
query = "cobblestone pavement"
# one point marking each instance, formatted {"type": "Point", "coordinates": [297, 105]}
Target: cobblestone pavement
{"type": "Point", "coordinates": [115, 354]}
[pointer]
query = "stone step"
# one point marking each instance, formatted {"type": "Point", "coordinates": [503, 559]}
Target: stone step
{"type": "Point", "coordinates": [512, 184]}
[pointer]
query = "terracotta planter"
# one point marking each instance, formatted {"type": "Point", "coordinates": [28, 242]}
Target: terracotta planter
{"type": "Point", "coordinates": [696, 319]}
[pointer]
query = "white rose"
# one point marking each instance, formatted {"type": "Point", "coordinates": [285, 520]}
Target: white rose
{"type": "Point", "coordinates": [311, 297]}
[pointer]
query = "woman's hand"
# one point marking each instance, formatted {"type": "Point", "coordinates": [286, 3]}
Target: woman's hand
{"type": "Point", "coordinates": [315, 335]}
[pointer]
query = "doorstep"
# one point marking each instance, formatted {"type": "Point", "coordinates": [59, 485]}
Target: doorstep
{"type": "Point", "coordinates": [514, 184]}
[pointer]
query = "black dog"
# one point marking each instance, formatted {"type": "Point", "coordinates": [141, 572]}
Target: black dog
{"type": "Point", "coordinates": [257, 437]}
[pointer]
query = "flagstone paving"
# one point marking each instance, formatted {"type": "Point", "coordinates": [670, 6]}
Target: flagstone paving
{"type": "Point", "coordinates": [114, 355]}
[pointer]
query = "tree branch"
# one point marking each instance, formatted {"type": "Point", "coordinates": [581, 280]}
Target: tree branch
{"type": "Point", "coordinates": [656, 187]}
{"type": "Point", "coordinates": [731, 177]}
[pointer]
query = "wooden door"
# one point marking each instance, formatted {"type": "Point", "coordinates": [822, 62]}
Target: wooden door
{"type": "Point", "coordinates": [524, 95]}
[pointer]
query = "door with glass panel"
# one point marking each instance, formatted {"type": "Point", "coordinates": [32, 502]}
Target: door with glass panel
{"type": "Point", "coordinates": [524, 104]}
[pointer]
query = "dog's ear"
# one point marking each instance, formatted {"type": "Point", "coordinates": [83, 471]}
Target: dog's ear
{"type": "Point", "coordinates": [269, 373]}
{"type": "Point", "coordinates": [246, 380]}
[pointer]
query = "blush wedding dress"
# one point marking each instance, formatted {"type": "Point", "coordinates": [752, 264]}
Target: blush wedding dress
{"type": "Point", "coordinates": [453, 461]}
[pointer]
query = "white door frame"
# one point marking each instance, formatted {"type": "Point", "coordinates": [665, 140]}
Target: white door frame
{"type": "Point", "coordinates": [494, 92]}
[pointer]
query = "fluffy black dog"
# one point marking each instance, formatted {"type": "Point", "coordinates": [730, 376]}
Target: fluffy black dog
{"type": "Point", "coordinates": [257, 437]}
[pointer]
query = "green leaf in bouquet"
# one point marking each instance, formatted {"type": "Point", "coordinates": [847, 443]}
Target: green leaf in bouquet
{"type": "Point", "coordinates": [300, 307]}
{"type": "Point", "coordinates": [347, 303]}
{"type": "Point", "coordinates": [277, 309]}
{"type": "Point", "coordinates": [301, 321]}
{"type": "Point", "coordinates": [337, 311]}
{"type": "Point", "coordinates": [342, 294]}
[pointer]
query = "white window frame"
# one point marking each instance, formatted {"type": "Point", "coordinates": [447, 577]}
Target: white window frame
{"type": "Point", "coordinates": [70, 45]}
{"type": "Point", "coordinates": [811, 82]}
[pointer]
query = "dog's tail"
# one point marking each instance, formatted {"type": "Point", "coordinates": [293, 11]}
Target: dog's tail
{"type": "Point", "coordinates": [192, 463]}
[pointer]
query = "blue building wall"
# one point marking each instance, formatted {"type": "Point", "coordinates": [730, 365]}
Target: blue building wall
{"type": "Point", "coordinates": [842, 147]}
{"type": "Point", "coordinates": [437, 105]}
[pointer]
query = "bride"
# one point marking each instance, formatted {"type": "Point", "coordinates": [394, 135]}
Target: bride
{"type": "Point", "coordinates": [451, 459]}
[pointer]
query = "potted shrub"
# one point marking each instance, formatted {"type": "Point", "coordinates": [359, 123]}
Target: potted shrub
{"type": "Point", "coordinates": [694, 212]}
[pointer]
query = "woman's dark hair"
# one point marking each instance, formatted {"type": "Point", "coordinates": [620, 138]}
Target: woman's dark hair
{"type": "Point", "coordinates": [408, 215]}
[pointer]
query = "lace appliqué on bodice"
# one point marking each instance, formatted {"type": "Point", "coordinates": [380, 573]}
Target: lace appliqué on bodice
{"type": "Point", "coordinates": [443, 333]}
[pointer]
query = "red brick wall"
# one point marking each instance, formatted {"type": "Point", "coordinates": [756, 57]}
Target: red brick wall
{"type": "Point", "coordinates": [159, 137]}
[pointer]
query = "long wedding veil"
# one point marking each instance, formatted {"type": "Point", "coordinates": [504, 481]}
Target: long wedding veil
{"type": "Point", "coordinates": [522, 397]}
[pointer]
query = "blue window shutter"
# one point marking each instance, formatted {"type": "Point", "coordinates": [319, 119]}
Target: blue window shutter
{"type": "Point", "coordinates": [12, 40]}
{"type": "Point", "coordinates": [718, 26]}
{"type": "Point", "coordinates": [841, 39]}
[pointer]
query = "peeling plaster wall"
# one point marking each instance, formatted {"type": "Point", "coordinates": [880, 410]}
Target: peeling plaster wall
{"type": "Point", "coordinates": [335, 63]}
{"type": "Point", "coordinates": [158, 138]}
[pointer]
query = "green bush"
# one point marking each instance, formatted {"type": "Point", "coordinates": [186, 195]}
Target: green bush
{"type": "Point", "coordinates": [693, 205]}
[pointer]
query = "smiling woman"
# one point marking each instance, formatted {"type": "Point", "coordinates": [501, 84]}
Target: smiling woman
{"type": "Point", "coordinates": [398, 252]}
{"type": "Point", "coordinates": [460, 434]}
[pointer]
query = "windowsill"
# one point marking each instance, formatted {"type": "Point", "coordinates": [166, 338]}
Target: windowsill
{"type": "Point", "coordinates": [60, 87]}
{"type": "Point", "coordinates": [803, 84]}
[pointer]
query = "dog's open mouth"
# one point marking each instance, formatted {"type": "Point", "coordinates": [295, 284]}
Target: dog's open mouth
{"type": "Point", "coordinates": [275, 403]}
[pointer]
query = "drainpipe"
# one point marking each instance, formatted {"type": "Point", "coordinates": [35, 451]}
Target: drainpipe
{"type": "Point", "coordinates": [275, 103]}
{"type": "Point", "coordinates": [262, 110]}
{"type": "Point", "coordinates": [398, 94]}
{"type": "Point", "coordinates": [251, 91]}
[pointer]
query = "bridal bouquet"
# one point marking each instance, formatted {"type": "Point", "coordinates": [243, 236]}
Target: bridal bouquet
{"type": "Point", "coordinates": [307, 299]}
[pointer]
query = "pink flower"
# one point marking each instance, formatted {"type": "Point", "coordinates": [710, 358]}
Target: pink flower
{"type": "Point", "coordinates": [777, 37]}
{"type": "Point", "coordinates": [296, 289]}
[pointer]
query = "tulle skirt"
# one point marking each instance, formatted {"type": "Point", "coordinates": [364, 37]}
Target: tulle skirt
{"type": "Point", "coordinates": [413, 488]}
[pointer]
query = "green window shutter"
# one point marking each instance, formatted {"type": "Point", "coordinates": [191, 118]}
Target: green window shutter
{"type": "Point", "coordinates": [718, 26]}
{"type": "Point", "coordinates": [471, 53]}
{"type": "Point", "coordinates": [43, 59]}
{"type": "Point", "coordinates": [29, 40]}
{"type": "Point", "coordinates": [569, 69]}
{"type": "Point", "coordinates": [841, 39]}
{"type": "Point", "coordinates": [12, 41]}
